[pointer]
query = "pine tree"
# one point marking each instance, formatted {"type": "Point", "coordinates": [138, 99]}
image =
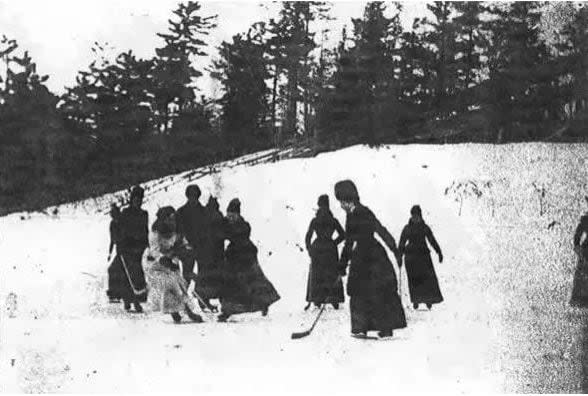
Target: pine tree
{"type": "Point", "coordinates": [375, 38]}
{"type": "Point", "coordinates": [174, 75]}
{"type": "Point", "coordinates": [416, 76]}
{"type": "Point", "coordinates": [32, 149]}
{"type": "Point", "coordinates": [572, 63]}
{"type": "Point", "coordinates": [469, 46]}
{"type": "Point", "coordinates": [243, 72]}
{"type": "Point", "coordinates": [518, 88]}
{"type": "Point", "coordinates": [441, 40]}
{"type": "Point", "coordinates": [290, 48]}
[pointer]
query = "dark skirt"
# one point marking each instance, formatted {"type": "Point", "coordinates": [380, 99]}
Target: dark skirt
{"type": "Point", "coordinates": [131, 286]}
{"type": "Point", "coordinates": [247, 290]}
{"type": "Point", "coordinates": [580, 285]}
{"type": "Point", "coordinates": [422, 280]}
{"type": "Point", "coordinates": [373, 290]}
{"type": "Point", "coordinates": [381, 311]}
{"type": "Point", "coordinates": [208, 279]}
{"type": "Point", "coordinates": [323, 286]}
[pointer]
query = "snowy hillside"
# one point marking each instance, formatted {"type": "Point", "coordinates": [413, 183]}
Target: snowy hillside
{"type": "Point", "coordinates": [505, 324]}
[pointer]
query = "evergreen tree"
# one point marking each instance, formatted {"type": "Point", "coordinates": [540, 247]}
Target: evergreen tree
{"type": "Point", "coordinates": [518, 88]}
{"type": "Point", "coordinates": [441, 40]}
{"type": "Point", "coordinates": [174, 74]}
{"type": "Point", "coordinates": [290, 47]}
{"type": "Point", "coordinates": [469, 46]}
{"type": "Point", "coordinates": [32, 149]}
{"type": "Point", "coordinates": [243, 72]}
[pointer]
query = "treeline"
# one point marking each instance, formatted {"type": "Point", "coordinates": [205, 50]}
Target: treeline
{"type": "Point", "coordinates": [487, 72]}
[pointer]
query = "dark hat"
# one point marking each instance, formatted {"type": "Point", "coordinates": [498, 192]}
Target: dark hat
{"type": "Point", "coordinates": [114, 210]}
{"type": "Point", "coordinates": [193, 191]}
{"type": "Point", "coordinates": [212, 203]}
{"type": "Point", "coordinates": [416, 211]}
{"type": "Point", "coordinates": [346, 191]}
{"type": "Point", "coordinates": [160, 224]}
{"type": "Point", "coordinates": [137, 192]}
{"type": "Point", "coordinates": [165, 212]}
{"type": "Point", "coordinates": [234, 206]}
{"type": "Point", "coordinates": [323, 201]}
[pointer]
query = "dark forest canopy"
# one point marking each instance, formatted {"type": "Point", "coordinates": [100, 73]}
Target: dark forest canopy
{"type": "Point", "coordinates": [471, 71]}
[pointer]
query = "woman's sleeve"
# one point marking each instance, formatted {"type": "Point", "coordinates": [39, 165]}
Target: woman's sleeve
{"type": "Point", "coordinates": [581, 229]}
{"type": "Point", "coordinates": [432, 240]}
{"type": "Point", "coordinates": [112, 238]}
{"type": "Point", "coordinates": [340, 233]}
{"type": "Point", "coordinates": [385, 235]}
{"type": "Point", "coordinates": [347, 248]}
{"type": "Point", "coordinates": [308, 237]}
{"type": "Point", "coordinates": [402, 242]}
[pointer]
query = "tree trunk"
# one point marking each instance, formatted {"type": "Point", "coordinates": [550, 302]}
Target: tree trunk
{"type": "Point", "coordinates": [274, 100]}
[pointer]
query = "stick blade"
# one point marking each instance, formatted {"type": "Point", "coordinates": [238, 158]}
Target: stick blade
{"type": "Point", "coordinates": [296, 336]}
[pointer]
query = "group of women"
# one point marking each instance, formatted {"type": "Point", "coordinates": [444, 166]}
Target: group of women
{"type": "Point", "coordinates": [233, 275]}
{"type": "Point", "coordinates": [372, 284]}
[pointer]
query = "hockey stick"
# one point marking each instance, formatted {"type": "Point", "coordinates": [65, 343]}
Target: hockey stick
{"type": "Point", "coordinates": [303, 334]}
{"type": "Point", "coordinates": [201, 301]}
{"type": "Point", "coordinates": [135, 291]}
{"type": "Point", "coordinates": [209, 314]}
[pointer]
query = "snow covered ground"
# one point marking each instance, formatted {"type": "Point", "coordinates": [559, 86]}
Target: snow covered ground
{"type": "Point", "coordinates": [505, 324]}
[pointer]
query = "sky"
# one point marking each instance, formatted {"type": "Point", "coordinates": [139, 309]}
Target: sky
{"type": "Point", "coordinates": [59, 34]}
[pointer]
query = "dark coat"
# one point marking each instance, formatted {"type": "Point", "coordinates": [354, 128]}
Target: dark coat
{"type": "Point", "coordinates": [217, 237]}
{"type": "Point", "coordinates": [580, 285]}
{"type": "Point", "coordinates": [372, 283]}
{"type": "Point", "coordinates": [369, 264]}
{"type": "Point", "coordinates": [194, 224]}
{"type": "Point", "coordinates": [114, 278]}
{"type": "Point", "coordinates": [422, 280]}
{"type": "Point", "coordinates": [245, 287]}
{"type": "Point", "coordinates": [127, 279]}
{"type": "Point", "coordinates": [192, 220]}
{"type": "Point", "coordinates": [322, 283]}
{"type": "Point", "coordinates": [115, 234]}
{"type": "Point", "coordinates": [134, 230]}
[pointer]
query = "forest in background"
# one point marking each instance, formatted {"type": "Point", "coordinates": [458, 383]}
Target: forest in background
{"type": "Point", "coordinates": [471, 72]}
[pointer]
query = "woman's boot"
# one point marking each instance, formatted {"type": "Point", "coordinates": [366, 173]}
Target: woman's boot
{"type": "Point", "coordinates": [223, 317]}
{"type": "Point", "coordinates": [176, 317]}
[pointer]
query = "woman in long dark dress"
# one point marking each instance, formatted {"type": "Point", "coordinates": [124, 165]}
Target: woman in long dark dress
{"type": "Point", "coordinates": [208, 280]}
{"type": "Point", "coordinates": [324, 284]}
{"type": "Point", "coordinates": [372, 285]}
{"type": "Point", "coordinates": [580, 287]}
{"type": "Point", "coordinates": [245, 289]}
{"type": "Point", "coordinates": [127, 270]}
{"type": "Point", "coordinates": [114, 229]}
{"type": "Point", "coordinates": [422, 280]}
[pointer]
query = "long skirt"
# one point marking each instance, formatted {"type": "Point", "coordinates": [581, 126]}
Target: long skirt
{"type": "Point", "coordinates": [373, 289]}
{"type": "Point", "coordinates": [169, 292]}
{"type": "Point", "coordinates": [380, 310]}
{"type": "Point", "coordinates": [208, 280]}
{"type": "Point", "coordinates": [422, 280]}
{"type": "Point", "coordinates": [323, 286]}
{"type": "Point", "coordinates": [247, 290]}
{"type": "Point", "coordinates": [126, 279]}
{"type": "Point", "coordinates": [580, 285]}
